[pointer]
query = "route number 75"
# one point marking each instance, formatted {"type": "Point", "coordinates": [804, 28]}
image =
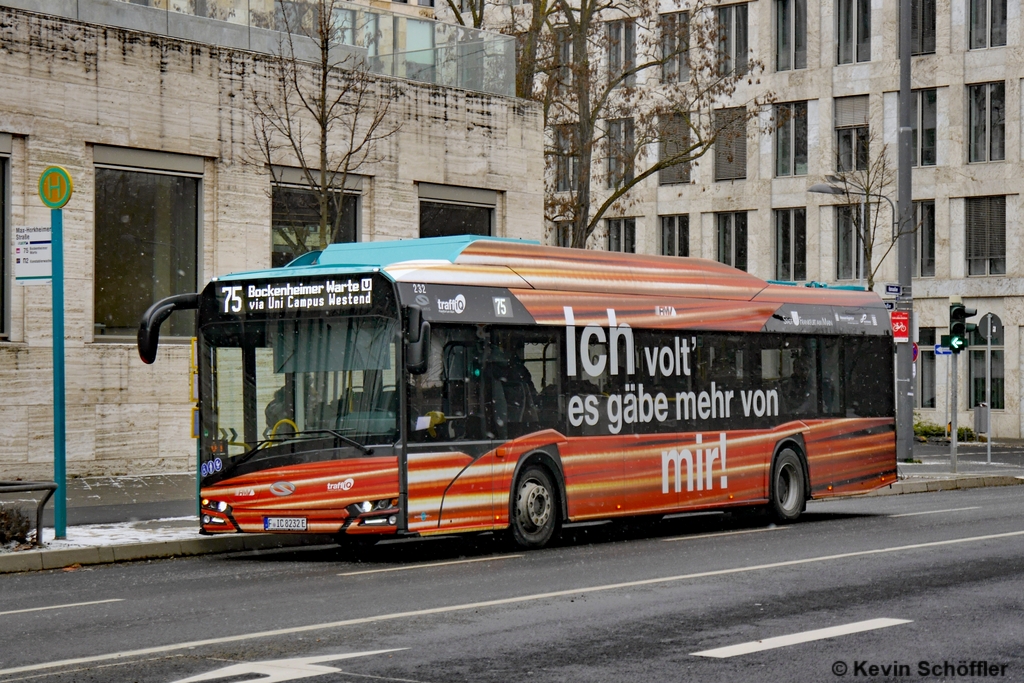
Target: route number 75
{"type": "Point", "coordinates": [232, 301]}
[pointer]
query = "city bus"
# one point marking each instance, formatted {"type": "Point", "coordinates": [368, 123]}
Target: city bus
{"type": "Point", "coordinates": [476, 384]}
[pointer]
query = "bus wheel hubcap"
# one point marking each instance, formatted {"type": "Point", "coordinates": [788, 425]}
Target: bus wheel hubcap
{"type": "Point", "coordinates": [787, 490]}
{"type": "Point", "coordinates": [534, 504]}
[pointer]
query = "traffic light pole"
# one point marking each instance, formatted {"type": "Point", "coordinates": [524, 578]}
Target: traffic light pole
{"type": "Point", "coordinates": [952, 414]}
{"type": "Point", "coordinates": [905, 246]}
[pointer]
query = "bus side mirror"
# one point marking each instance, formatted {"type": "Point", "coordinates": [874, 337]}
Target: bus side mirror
{"type": "Point", "coordinates": [417, 345]}
{"type": "Point", "coordinates": [149, 326]}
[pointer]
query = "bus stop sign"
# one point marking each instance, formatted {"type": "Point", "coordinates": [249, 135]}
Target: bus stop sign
{"type": "Point", "coordinates": [55, 187]}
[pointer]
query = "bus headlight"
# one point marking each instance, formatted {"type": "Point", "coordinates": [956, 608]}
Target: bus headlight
{"type": "Point", "coordinates": [216, 505]}
{"type": "Point", "coordinates": [365, 506]}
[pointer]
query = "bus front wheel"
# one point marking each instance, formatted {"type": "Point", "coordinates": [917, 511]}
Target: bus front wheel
{"type": "Point", "coordinates": [788, 497]}
{"type": "Point", "coordinates": [535, 510]}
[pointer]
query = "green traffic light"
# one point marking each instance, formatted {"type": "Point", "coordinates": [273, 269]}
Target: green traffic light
{"type": "Point", "coordinates": [959, 328]}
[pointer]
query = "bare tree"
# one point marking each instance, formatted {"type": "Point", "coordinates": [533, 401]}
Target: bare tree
{"type": "Point", "coordinates": [865, 205]}
{"type": "Point", "coordinates": [629, 91]}
{"type": "Point", "coordinates": [319, 107]}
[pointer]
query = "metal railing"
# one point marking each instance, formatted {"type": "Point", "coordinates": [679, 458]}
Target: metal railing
{"type": "Point", "coordinates": [392, 43]}
{"type": "Point", "coordinates": [25, 486]}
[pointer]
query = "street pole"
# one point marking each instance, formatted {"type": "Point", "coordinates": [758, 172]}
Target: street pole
{"type": "Point", "coordinates": [863, 235]}
{"type": "Point", "coordinates": [905, 246]}
{"type": "Point", "coordinates": [60, 500]}
{"type": "Point", "coordinates": [988, 389]}
{"type": "Point", "coordinates": [55, 189]}
{"type": "Point", "coordinates": [952, 418]}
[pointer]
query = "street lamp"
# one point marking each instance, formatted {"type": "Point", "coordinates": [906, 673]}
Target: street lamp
{"type": "Point", "coordinates": [823, 188]}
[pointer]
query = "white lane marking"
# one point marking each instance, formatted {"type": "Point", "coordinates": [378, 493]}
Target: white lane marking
{"type": "Point", "coordinates": [498, 602]}
{"type": "Point", "coordinates": [797, 638]}
{"type": "Point", "coordinates": [726, 533]}
{"type": "Point", "coordinates": [280, 670]}
{"type": "Point", "coordinates": [933, 512]}
{"type": "Point", "coordinates": [431, 564]}
{"type": "Point", "coordinates": [70, 604]}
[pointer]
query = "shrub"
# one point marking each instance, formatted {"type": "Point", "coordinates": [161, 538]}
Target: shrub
{"type": "Point", "coordinates": [927, 429]}
{"type": "Point", "coordinates": [14, 524]}
{"type": "Point", "coordinates": [922, 428]}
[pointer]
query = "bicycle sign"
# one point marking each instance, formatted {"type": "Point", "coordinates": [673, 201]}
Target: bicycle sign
{"type": "Point", "coordinates": [900, 325]}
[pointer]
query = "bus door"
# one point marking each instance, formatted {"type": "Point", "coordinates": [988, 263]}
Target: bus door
{"type": "Point", "coordinates": [452, 435]}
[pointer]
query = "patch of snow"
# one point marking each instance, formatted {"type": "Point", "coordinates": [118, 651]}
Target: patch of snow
{"type": "Point", "coordinates": [122, 533]}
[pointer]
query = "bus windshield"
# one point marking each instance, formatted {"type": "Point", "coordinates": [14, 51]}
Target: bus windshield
{"type": "Point", "coordinates": [276, 382]}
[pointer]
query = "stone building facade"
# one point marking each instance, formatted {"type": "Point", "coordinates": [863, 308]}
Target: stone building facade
{"type": "Point", "coordinates": [836, 62]}
{"type": "Point", "coordinates": [160, 124]}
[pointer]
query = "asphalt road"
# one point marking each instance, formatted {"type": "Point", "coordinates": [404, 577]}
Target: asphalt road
{"type": "Point", "coordinates": [932, 578]}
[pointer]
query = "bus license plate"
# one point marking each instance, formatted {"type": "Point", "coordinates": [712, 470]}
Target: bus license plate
{"type": "Point", "coordinates": [284, 523]}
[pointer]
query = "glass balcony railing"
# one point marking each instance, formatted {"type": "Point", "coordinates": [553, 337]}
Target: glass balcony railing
{"type": "Point", "coordinates": [393, 44]}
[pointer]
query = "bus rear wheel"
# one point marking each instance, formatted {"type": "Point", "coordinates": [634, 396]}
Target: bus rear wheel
{"type": "Point", "coordinates": [535, 508]}
{"type": "Point", "coordinates": [788, 497]}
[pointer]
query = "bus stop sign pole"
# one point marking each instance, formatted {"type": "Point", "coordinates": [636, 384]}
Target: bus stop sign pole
{"type": "Point", "coordinates": [55, 188]}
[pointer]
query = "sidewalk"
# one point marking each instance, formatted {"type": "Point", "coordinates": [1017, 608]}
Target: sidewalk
{"type": "Point", "coordinates": [934, 472]}
{"type": "Point", "coordinates": [118, 519]}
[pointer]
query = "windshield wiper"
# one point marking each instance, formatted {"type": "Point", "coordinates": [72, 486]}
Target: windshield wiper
{"type": "Point", "coordinates": [310, 433]}
{"type": "Point", "coordinates": [341, 437]}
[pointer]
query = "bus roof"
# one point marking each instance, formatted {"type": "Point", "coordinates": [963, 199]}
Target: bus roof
{"type": "Point", "coordinates": [470, 260]}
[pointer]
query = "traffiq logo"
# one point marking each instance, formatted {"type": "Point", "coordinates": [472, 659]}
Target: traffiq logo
{"type": "Point", "coordinates": [456, 305]}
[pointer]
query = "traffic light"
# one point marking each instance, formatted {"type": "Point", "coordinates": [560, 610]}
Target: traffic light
{"type": "Point", "coordinates": [959, 328]}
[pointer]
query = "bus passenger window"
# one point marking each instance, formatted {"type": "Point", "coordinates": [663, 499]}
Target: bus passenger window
{"type": "Point", "coordinates": [832, 386]}
{"type": "Point", "coordinates": [525, 385]}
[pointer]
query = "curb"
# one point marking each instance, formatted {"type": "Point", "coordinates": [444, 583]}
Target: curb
{"type": "Point", "coordinates": [950, 484]}
{"type": "Point", "coordinates": [36, 560]}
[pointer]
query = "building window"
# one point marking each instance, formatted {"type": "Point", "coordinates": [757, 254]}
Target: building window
{"type": "Point", "coordinates": [922, 27]}
{"type": "Point", "coordinates": [854, 31]}
{"type": "Point", "coordinates": [987, 121]}
{"type": "Point", "coordinates": [925, 394]}
{"type": "Point", "coordinates": [732, 239]}
{"type": "Point", "coordinates": [791, 139]}
{"type": "Point", "coordinates": [791, 244]}
{"type": "Point", "coordinates": [620, 152]}
{"type": "Point", "coordinates": [621, 52]}
{"type": "Point", "coordinates": [675, 141]}
{"type": "Point", "coordinates": [732, 39]}
{"type": "Point", "coordinates": [443, 219]}
{"type": "Point", "coordinates": [790, 34]}
{"type": "Point", "coordinates": [986, 235]}
{"type": "Point", "coordinates": [147, 230]}
{"type": "Point", "coordinates": [675, 235]}
{"type": "Point", "coordinates": [976, 368]}
{"type": "Point", "coordinates": [675, 46]}
{"type": "Point", "coordinates": [924, 238]}
{"type": "Point", "coordinates": [923, 123]}
{"type": "Point", "coordinates": [849, 247]}
{"type": "Point", "coordinates": [565, 160]}
{"type": "Point", "coordinates": [563, 233]}
{"type": "Point", "coordinates": [622, 235]}
{"type": "Point", "coordinates": [731, 144]}
{"type": "Point", "coordinates": [295, 222]}
{"type": "Point", "coordinates": [419, 53]}
{"type": "Point", "coordinates": [852, 133]}
{"type": "Point", "coordinates": [562, 40]}
{"type": "Point", "coordinates": [988, 23]}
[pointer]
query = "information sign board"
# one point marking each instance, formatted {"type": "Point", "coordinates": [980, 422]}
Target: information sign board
{"type": "Point", "coordinates": [33, 254]}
